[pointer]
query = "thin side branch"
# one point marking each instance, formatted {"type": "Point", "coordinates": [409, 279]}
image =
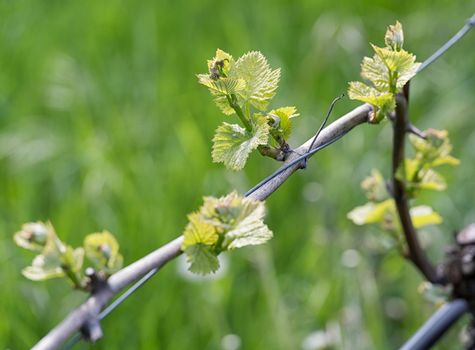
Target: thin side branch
{"type": "Point", "coordinates": [416, 253]}
{"type": "Point", "coordinates": [90, 309]}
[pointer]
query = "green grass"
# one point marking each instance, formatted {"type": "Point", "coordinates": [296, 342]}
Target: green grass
{"type": "Point", "coordinates": [104, 126]}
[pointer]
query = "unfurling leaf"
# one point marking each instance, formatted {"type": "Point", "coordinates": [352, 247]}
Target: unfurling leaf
{"type": "Point", "coordinates": [261, 80]}
{"type": "Point", "coordinates": [417, 173]}
{"type": "Point", "coordinates": [362, 92]}
{"type": "Point", "coordinates": [424, 215]}
{"type": "Point", "coordinates": [371, 212]}
{"type": "Point", "coordinates": [394, 37]}
{"type": "Point", "coordinates": [102, 250]}
{"type": "Point", "coordinates": [375, 186]}
{"type": "Point", "coordinates": [221, 87]}
{"type": "Point", "coordinates": [221, 224]}
{"type": "Point", "coordinates": [374, 70]}
{"type": "Point", "coordinates": [202, 259]}
{"type": "Point", "coordinates": [388, 70]}
{"type": "Point", "coordinates": [220, 65]}
{"type": "Point", "coordinates": [232, 144]}
{"type": "Point", "coordinates": [432, 180]}
{"type": "Point", "coordinates": [282, 120]}
{"type": "Point", "coordinates": [198, 231]}
{"type": "Point", "coordinates": [251, 230]}
{"type": "Point", "coordinates": [33, 236]}
{"type": "Point", "coordinates": [435, 149]}
{"type": "Point", "coordinates": [240, 87]}
{"type": "Point", "coordinates": [56, 259]}
{"type": "Point", "coordinates": [44, 267]}
{"type": "Point", "coordinates": [220, 80]}
{"type": "Point", "coordinates": [400, 65]}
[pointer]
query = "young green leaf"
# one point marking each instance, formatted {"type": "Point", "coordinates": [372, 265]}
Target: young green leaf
{"type": "Point", "coordinates": [388, 70]}
{"type": "Point", "coordinates": [44, 267]}
{"type": "Point", "coordinates": [239, 219]}
{"type": "Point", "coordinates": [250, 230]}
{"type": "Point", "coordinates": [102, 250]}
{"type": "Point", "coordinates": [371, 212]}
{"type": "Point", "coordinates": [198, 232]}
{"type": "Point", "coordinates": [365, 93]}
{"type": "Point", "coordinates": [375, 186]}
{"type": "Point", "coordinates": [261, 80]}
{"type": "Point", "coordinates": [223, 86]}
{"type": "Point", "coordinates": [435, 149]}
{"type": "Point", "coordinates": [33, 236]}
{"type": "Point", "coordinates": [221, 224]}
{"type": "Point", "coordinates": [202, 259]}
{"type": "Point", "coordinates": [232, 144]}
{"type": "Point", "coordinates": [394, 37]}
{"type": "Point", "coordinates": [400, 64]}
{"type": "Point", "coordinates": [431, 180]}
{"type": "Point", "coordinates": [282, 120]}
{"type": "Point", "coordinates": [424, 215]}
{"type": "Point", "coordinates": [221, 81]}
{"type": "Point", "coordinates": [220, 66]}
{"type": "Point", "coordinates": [374, 70]}
{"type": "Point", "coordinates": [71, 263]}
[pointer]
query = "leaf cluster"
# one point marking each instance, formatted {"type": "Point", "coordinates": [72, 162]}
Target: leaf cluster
{"type": "Point", "coordinates": [244, 87]}
{"type": "Point", "coordinates": [388, 71]}
{"type": "Point", "coordinates": [418, 174]}
{"type": "Point", "coordinates": [222, 224]}
{"type": "Point", "coordinates": [56, 259]}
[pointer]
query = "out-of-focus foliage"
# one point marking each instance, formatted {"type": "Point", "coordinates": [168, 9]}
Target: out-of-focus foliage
{"type": "Point", "coordinates": [418, 174]}
{"type": "Point", "coordinates": [57, 259]}
{"type": "Point", "coordinates": [103, 125]}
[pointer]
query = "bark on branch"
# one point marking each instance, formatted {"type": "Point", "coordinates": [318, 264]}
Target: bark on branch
{"type": "Point", "coordinates": [415, 252]}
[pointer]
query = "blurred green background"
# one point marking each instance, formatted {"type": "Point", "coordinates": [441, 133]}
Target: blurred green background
{"type": "Point", "coordinates": [104, 126]}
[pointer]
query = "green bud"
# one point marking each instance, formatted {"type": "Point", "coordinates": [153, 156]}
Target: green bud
{"type": "Point", "coordinates": [33, 236]}
{"type": "Point", "coordinates": [394, 37]}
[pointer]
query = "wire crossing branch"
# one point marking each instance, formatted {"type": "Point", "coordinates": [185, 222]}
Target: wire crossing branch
{"type": "Point", "coordinates": [89, 311]}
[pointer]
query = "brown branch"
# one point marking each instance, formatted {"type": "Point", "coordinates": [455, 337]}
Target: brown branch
{"type": "Point", "coordinates": [416, 253]}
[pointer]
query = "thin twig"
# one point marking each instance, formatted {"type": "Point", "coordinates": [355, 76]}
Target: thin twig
{"type": "Point", "coordinates": [416, 253]}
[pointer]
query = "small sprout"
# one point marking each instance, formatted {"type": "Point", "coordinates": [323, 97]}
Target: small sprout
{"type": "Point", "coordinates": [283, 118]}
{"type": "Point", "coordinates": [418, 173]}
{"type": "Point", "coordinates": [435, 149]}
{"type": "Point", "coordinates": [394, 37]}
{"type": "Point", "coordinates": [33, 236]}
{"type": "Point", "coordinates": [220, 65]}
{"type": "Point", "coordinates": [217, 69]}
{"type": "Point", "coordinates": [388, 70]}
{"type": "Point", "coordinates": [56, 259]}
{"type": "Point", "coordinates": [274, 121]}
{"type": "Point", "coordinates": [375, 186]}
{"type": "Point", "coordinates": [44, 267]}
{"type": "Point", "coordinates": [240, 87]}
{"type": "Point", "coordinates": [222, 224]}
{"type": "Point", "coordinates": [102, 250]}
